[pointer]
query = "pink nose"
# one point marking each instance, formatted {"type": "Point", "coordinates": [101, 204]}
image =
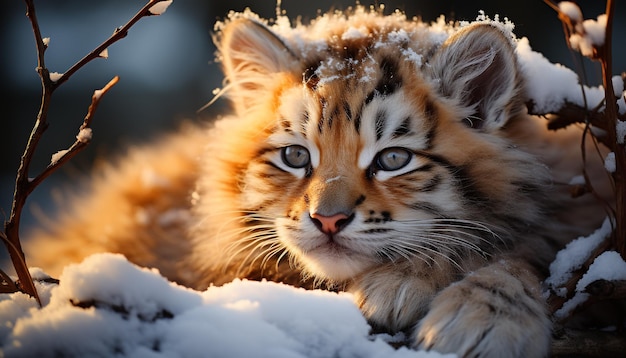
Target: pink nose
{"type": "Point", "coordinates": [330, 224]}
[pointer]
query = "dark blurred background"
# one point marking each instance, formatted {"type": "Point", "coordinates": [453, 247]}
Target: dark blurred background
{"type": "Point", "coordinates": [167, 71]}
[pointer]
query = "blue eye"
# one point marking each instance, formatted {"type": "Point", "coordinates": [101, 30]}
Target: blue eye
{"type": "Point", "coordinates": [395, 158]}
{"type": "Point", "coordinates": [295, 156]}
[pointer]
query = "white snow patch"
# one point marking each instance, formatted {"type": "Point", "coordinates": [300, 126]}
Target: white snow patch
{"type": "Point", "coordinates": [574, 255]}
{"type": "Point", "coordinates": [618, 85]}
{"type": "Point", "coordinates": [84, 135]}
{"type": "Point", "coordinates": [577, 180]}
{"type": "Point", "coordinates": [134, 312]}
{"type": "Point", "coordinates": [609, 162]}
{"type": "Point", "coordinates": [55, 76]}
{"type": "Point", "coordinates": [571, 10]}
{"type": "Point", "coordinates": [411, 56]}
{"type": "Point", "coordinates": [352, 33]}
{"type": "Point", "coordinates": [57, 156]}
{"type": "Point", "coordinates": [608, 266]}
{"type": "Point", "coordinates": [578, 299]}
{"type": "Point", "coordinates": [160, 7]}
{"type": "Point", "coordinates": [620, 128]}
{"type": "Point", "coordinates": [551, 85]}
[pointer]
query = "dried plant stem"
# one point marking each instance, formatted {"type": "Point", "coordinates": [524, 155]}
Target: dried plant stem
{"type": "Point", "coordinates": [619, 176]}
{"type": "Point", "coordinates": [605, 117]}
{"type": "Point", "coordinates": [24, 185]}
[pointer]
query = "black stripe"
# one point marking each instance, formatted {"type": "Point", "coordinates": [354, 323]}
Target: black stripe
{"type": "Point", "coordinates": [309, 75]}
{"type": "Point", "coordinates": [320, 124]}
{"type": "Point", "coordinates": [467, 185]}
{"type": "Point", "coordinates": [430, 113]}
{"type": "Point", "coordinates": [347, 110]}
{"type": "Point", "coordinates": [432, 184]}
{"type": "Point", "coordinates": [390, 80]}
{"type": "Point", "coordinates": [305, 121]}
{"type": "Point", "coordinates": [403, 129]}
{"type": "Point", "coordinates": [428, 207]}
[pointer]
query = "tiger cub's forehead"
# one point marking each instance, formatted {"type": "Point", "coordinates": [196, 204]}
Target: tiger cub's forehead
{"type": "Point", "coordinates": [374, 100]}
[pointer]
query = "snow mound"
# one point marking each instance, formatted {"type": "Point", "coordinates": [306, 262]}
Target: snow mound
{"type": "Point", "coordinates": [107, 306]}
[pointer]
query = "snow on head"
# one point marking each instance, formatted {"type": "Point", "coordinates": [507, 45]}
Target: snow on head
{"type": "Point", "coordinates": [108, 307]}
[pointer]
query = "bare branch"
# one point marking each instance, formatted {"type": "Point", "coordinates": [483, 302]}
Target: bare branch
{"type": "Point", "coordinates": [81, 142]}
{"type": "Point", "coordinates": [118, 34]}
{"type": "Point", "coordinates": [23, 185]}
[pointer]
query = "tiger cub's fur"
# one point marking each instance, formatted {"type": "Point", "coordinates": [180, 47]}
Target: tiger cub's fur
{"type": "Point", "coordinates": [367, 153]}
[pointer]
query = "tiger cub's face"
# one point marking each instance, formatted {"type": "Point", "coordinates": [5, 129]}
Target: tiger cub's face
{"type": "Point", "coordinates": [366, 155]}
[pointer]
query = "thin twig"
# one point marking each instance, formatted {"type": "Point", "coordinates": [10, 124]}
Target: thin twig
{"type": "Point", "coordinates": [79, 144]}
{"type": "Point", "coordinates": [619, 175]}
{"type": "Point", "coordinates": [118, 34]}
{"type": "Point", "coordinates": [23, 184]}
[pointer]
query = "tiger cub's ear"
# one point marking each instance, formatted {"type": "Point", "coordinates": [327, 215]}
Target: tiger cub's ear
{"type": "Point", "coordinates": [251, 53]}
{"type": "Point", "coordinates": [477, 68]}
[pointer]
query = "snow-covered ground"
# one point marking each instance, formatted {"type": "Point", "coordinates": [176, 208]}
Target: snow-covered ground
{"type": "Point", "coordinates": [107, 307]}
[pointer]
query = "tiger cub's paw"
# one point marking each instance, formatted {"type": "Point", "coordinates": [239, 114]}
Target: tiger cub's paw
{"type": "Point", "coordinates": [490, 313]}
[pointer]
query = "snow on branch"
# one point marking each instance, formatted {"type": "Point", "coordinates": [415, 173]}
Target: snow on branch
{"type": "Point", "coordinates": [592, 268]}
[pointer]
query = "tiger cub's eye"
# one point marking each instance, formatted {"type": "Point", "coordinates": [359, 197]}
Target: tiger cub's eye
{"type": "Point", "coordinates": [391, 159]}
{"type": "Point", "coordinates": [296, 156]}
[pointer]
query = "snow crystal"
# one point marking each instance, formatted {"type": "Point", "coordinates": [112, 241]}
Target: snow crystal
{"type": "Point", "coordinates": [411, 56]}
{"type": "Point", "coordinates": [160, 7]}
{"type": "Point", "coordinates": [46, 41]}
{"type": "Point", "coordinates": [609, 162]}
{"type": "Point", "coordinates": [84, 135]}
{"type": "Point", "coordinates": [574, 255]}
{"type": "Point", "coordinates": [106, 306]}
{"type": "Point", "coordinates": [620, 128]}
{"type": "Point", "coordinates": [571, 10]}
{"type": "Point", "coordinates": [507, 26]}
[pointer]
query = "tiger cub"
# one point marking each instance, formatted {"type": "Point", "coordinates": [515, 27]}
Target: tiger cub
{"type": "Point", "coordinates": [368, 153]}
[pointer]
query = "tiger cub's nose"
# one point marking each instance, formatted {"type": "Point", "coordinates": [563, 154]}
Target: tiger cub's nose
{"type": "Point", "coordinates": [331, 224]}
